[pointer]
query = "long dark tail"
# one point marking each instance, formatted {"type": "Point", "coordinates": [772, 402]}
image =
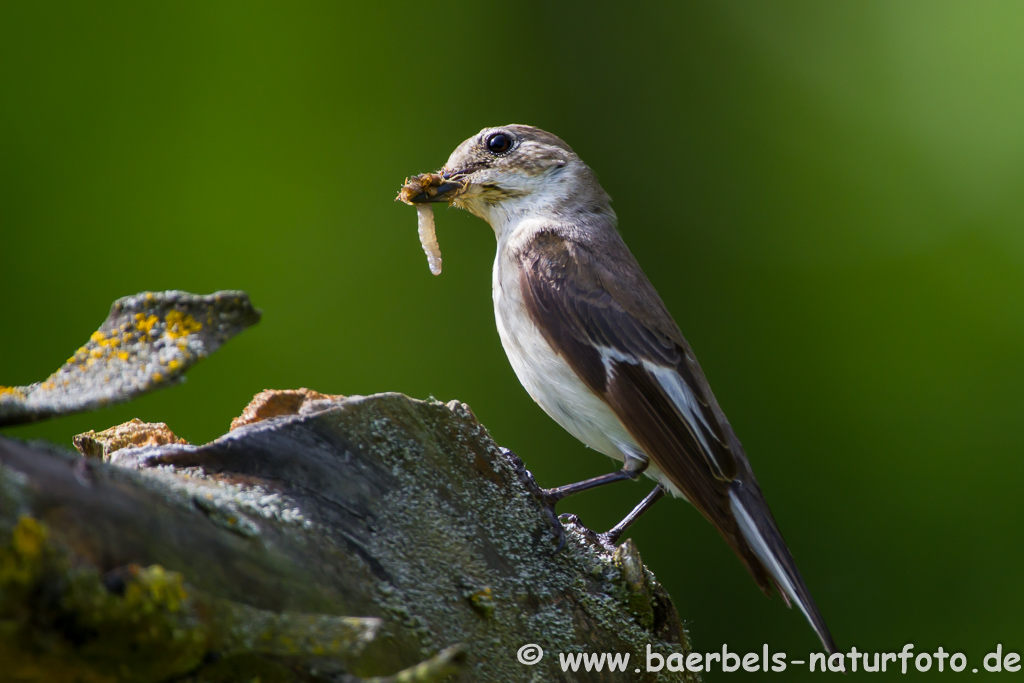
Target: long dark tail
{"type": "Point", "coordinates": [759, 530]}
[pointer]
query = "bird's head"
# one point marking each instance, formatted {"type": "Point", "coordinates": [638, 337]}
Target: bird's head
{"type": "Point", "coordinates": [510, 172]}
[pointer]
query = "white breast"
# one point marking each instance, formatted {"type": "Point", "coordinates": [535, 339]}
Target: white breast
{"type": "Point", "coordinates": [544, 374]}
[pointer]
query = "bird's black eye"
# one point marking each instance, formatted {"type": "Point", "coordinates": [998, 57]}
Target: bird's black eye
{"type": "Point", "coordinates": [499, 143]}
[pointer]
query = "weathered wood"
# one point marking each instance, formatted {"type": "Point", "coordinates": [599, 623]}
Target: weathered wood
{"type": "Point", "coordinates": [356, 538]}
{"type": "Point", "coordinates": [147, 342]}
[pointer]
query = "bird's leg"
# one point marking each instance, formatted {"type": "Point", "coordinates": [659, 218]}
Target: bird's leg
{"type": "Point", "coordinates": [630, 470]}
{"type": "Point", "coordinates": [612, 535]}
{"type": "Point", "coordinates": [526, 478]}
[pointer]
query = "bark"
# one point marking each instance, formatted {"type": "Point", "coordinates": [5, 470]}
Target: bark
{"type": "Point", "coordinates": [147, 342]}
{"type": "Point", "coordinates": [323, 538]}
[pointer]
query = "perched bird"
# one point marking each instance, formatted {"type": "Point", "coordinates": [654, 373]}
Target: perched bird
{"type": "Point", "coordinates": [593, 344]}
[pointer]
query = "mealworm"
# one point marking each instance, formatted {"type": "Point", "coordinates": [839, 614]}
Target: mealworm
{"type": "Point", "coordinates": [428, 237]}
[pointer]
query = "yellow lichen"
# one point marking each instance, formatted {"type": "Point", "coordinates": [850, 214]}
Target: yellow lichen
{"type": "Point", "coordinates": [179, 325]}
{"type": "Point", "coordinates": [287, 643]}
{"type": "Point", "coordinates": [174, 364]}
{"type": "Point", "coordinates": [12, 391]}
{"type": "Point", "coordinates": [157, 377]}
{"type": "Point", "coordinates": [123, 355]}
{"type": "Point", "coordinates": [145, 324]}
{"type": "Point", "coordinates": [19, 564]}
{"type": "Point", "coordinates": [154, 588]}
{"type": "Point", "coordinates": [29, 537]}
{"type": "Point", "coordinates": [105, 341]}
{"type": "Point", "coordinates": [483, 601]}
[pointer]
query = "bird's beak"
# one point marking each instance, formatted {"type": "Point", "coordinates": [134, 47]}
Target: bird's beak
{"type": "Point", "coordinates": [433, 187]}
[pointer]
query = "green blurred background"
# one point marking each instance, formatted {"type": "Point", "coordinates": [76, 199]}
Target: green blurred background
{"type": "Point", "coordinates": [827, 195]}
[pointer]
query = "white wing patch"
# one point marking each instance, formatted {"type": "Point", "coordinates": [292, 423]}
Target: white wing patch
{"type": "Point", "coordinates": [610, 355]}
{"type": "Point", "coordinates": [689, 408]}
{"type": "Point", "coordinates": [682, 395]}
{"type": "Point", "coordinates": [679, 392]}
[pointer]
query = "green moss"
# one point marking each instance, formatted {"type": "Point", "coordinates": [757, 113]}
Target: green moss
{"type": "Point", "coordinates": [635, 591]}
{"type": "Point", "coordinates": [22, 559]}
{"type": "Point", "coordinates": [62, 622]}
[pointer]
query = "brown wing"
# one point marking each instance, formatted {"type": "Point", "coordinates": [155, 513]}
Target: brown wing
{"type": "Point", "coordinates": [623, 343]}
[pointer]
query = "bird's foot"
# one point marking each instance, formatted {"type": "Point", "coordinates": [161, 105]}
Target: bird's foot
{"type": "Point", "coordinates": [610, 538]}
{"type": "Point", "coordinates": [555, 520]}
{"type": "Point", "coordinates": [548, 497]}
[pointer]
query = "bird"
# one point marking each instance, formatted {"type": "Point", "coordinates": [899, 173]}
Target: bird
{"type": "Point", "coordinates": [594, 345]}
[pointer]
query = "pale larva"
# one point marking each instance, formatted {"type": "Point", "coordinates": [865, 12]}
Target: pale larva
{"type": "Point", "coordinates": [428, 237]}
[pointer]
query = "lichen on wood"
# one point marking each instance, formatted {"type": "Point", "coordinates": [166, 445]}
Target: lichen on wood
{"type": "Point", "coordinates": [148, 341]}
{"type": "Point", "coordinates": [65, 621]}
{"type": "Point", "coordinates": [132, 434]}
{"type": "Point", "coordinates": [396, 526]}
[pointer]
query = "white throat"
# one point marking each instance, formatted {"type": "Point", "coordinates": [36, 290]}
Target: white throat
{"type": "Point", "coordinates": [553, 195]}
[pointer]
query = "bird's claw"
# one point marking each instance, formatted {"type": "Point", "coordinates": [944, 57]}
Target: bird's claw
{"type": "Point", "coordinates": [547, 500]}
{"type": "Point", "coordinates": [556, 523]}
{"type": "Point", "coordinates": [609, 539]}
